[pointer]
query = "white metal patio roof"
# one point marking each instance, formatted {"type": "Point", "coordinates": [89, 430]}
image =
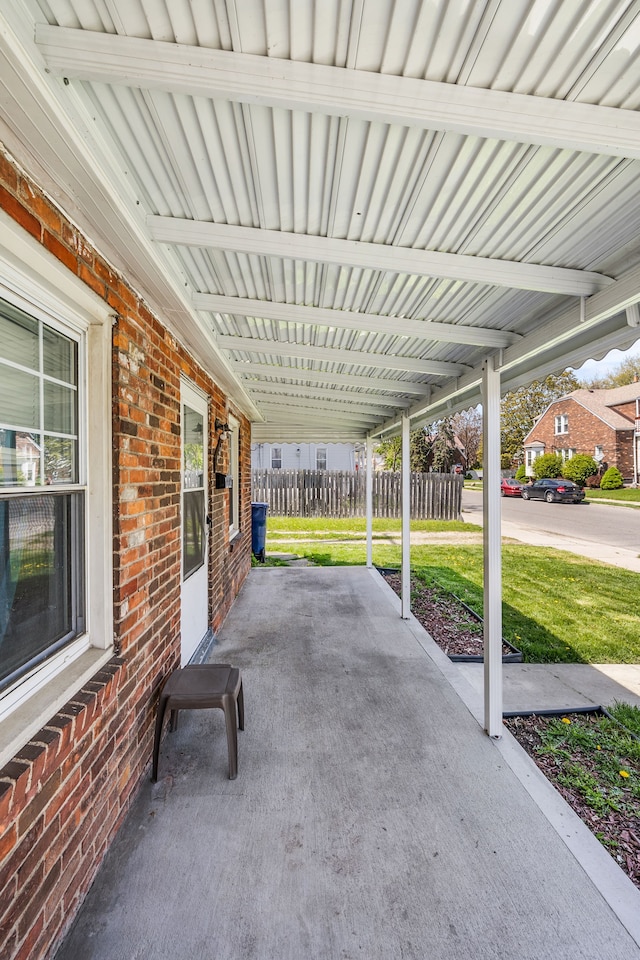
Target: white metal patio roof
{"type": "Point", "coordinates": [343, 207]}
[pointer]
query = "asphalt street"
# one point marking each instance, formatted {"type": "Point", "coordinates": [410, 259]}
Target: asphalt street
{"type": "Point", "coordinates": [597, 530]}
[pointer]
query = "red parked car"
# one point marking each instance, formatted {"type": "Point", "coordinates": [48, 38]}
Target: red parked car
{"type": "Point", "coordinates": [510, 487]}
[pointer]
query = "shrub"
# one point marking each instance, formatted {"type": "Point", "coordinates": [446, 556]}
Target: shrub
{"type": "Point", "coordinates": [521, 473]}
{"type": "Point", "coordinates": [547, 465]}
{"type": "Point", "coordinates": [578, 468]}
{"type": "Point", "coordinates": [593, 482]}
{"type": "Point", "coordinates": [612, 480]}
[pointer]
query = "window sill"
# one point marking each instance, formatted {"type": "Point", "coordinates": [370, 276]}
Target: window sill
{"type": "Point", "coordinates": [234, 538]}
{"type": "Point", "coordinates": [25, 721]}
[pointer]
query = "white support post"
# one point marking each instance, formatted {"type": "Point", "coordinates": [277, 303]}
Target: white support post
{"type": "Point", "coordinates": [406, 520]}
{"type": "Point", "coordinates": [492, 549]}
{"type": "Point", "coordinates": [369, 500]}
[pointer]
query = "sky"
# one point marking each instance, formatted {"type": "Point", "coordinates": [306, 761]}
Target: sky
{"type": "Point", "coordinates": [600, 368]}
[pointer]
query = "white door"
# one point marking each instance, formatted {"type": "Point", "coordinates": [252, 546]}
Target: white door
{"type": "Point", "coordinates": [195, 553]}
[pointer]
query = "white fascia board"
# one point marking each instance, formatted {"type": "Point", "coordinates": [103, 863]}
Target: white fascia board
{"type": "Point", "coordinates": [48, 130]}
{"type": "Point", "coordinates": [351, 320]}
{"type": "Point", "coordinates": [376, 256]}
{"type": "Point", "coordinates": [335, 91]}
{"type": "Point", "coordinates": [248, 371]}
{"type": "Point", "coordinates": [611, 333]}
{"type": "Point", "coordinates": [355, 358]}
{"type": "Point", "coordinates": [565, 340]}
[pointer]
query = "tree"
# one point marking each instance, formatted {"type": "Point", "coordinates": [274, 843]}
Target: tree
{"type": "Point", "coordinates": [520, 408]}
{"type": "Point", "coordinates": [420, 451]}
{"type": "Point", "coordinates": [391, 452]}
{"type": "Point", "coordinates": [579, 468]}
{"type": "Point", "coordinates": [467, 427]}
{"type": "Point", "coordinates": [431, 448]}
{"type": "Point", "coordinates": [627, 371]}
{"type": "Point", "coordinates": [443, 445]}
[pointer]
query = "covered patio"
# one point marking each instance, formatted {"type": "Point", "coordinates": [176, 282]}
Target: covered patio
{"type": "Point", "coordinates": [338, 221]}
{"type": "Point", "coordinates": [371, 816]}
{"type": "Point", "coordinates": [359, 222]}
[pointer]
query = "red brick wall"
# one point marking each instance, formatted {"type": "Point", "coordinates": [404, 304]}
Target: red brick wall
{"type": "Point", "coordinates": [64, 795]}
{"type": "Point", "coordinates": [585, 432]}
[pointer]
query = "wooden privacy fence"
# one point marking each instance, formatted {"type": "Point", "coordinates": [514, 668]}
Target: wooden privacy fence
{"type": "Point", "coordinates": [342, 493]}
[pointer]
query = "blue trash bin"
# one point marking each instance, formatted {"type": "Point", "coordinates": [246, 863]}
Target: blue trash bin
{"type": "Point", "coordinates": [258, 530]}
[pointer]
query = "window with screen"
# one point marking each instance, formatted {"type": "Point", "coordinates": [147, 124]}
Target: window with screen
{"type": "Point", "coordinates": [42, 502]}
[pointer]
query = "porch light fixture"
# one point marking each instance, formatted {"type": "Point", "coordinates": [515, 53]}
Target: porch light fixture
{"type": "Point", "coordinates": [222, 429]}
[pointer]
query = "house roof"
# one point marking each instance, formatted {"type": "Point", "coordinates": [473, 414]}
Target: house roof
{"type": "Point", "coordinates": [343, 210]}
{"type": "Point", "coordinates": [599, 403]}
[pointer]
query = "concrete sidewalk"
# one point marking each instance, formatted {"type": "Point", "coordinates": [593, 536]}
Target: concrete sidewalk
{"type": "Point", "coordinates": [372, 818]}
{"type": "Point", "coordinates": [560, 686]}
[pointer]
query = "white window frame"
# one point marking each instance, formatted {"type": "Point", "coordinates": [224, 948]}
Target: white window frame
{"type": "Point", "coordinates": [276, 454]}
{"type": "Point", "coordinates": [561, 424]}
{"type": "Point", "coordinates": [324, 451]}
{"type": "Point", "coordinates": [234, 470]}
{"type": "Point", "coordinates": [35, 282]}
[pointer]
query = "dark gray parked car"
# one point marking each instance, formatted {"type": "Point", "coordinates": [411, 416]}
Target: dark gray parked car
{"type": "Point", "coordinates": [553, 491]}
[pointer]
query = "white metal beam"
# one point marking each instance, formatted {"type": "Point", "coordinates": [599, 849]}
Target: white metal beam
{"type": "Point", "coordinates": [305, 412]}
{"type": "Point", "coordinates": [376, 256]}
{"type": "Point", "coordinates": [377, 402]}
{"type": "Point", "coordinates": [369, 499]}
{"type": "Point", "coordinates": [337, 404]}
{"type": "Point", "coordinates": [350, 320]}
{"type": "Point", "coordinates": [317, 88]}
{"type": "Point", "coordinates": [405, 576]}
{"type": "Point", "coordinates": [402, 387]}
{"type": "Point", "coordinates": [355, 358]}
{"type": "Point", "coordinates": [492, 549]}
{"type": "Point", "coordinates": [302, 433]}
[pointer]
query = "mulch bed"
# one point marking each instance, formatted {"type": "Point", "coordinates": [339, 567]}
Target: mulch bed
{"type": "Point", "coordinates": [445, 618]}
{"type": "Point", "coordinates": [618, 830]}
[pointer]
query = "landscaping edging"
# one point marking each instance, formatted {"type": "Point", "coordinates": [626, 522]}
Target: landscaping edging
{"type": "Point", "coordinates": [595, 770]}
{"type": "Point", "coordinates": [513, 656]}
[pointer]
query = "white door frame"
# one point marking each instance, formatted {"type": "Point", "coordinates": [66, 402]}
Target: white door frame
{"type": "Point", "coordinates": [194, 590]}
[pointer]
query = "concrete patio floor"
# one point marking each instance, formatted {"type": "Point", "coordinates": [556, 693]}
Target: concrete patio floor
{"type": "Point", "coordinates": [372, 818]}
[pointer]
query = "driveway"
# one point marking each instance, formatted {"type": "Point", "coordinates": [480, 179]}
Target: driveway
{"type": "Point", "coordinates": [595, 530]}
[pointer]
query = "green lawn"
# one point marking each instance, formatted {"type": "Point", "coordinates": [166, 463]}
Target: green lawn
{"type": "Point", "coordinates": [354, 528]}
{"type": "Point", "coordinates": [557, 607]}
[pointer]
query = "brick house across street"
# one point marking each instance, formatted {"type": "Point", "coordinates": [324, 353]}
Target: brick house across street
{"type": "Point", "coordinates": [602, 423]}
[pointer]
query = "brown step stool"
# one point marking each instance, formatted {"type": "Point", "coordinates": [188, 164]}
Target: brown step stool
{"type": "Point", "coordinates": [198, 687]}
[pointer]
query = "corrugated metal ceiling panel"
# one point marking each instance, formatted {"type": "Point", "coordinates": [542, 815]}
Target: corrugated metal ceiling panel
{"type": "Point", "coordinates": [300, 172]}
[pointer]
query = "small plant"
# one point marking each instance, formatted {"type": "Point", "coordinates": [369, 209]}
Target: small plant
{"type": "Point", "coordinates": [579, 468]}
{"type": "Point", "coordinates": [593, 483]}
{"type": "Point", "coordinates": [547, 465]}
{"type": "Point", "coordinates": [521, 473]}
{"type": "Point", "coordinates": [612, 479]}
